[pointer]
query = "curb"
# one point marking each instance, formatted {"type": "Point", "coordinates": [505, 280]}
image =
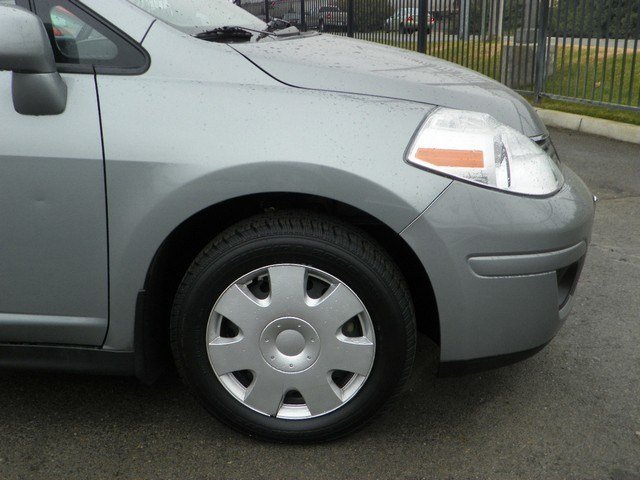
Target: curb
{"type": "Point", "coordinates": [623, 132]}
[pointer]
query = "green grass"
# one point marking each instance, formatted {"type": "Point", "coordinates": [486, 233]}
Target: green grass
{"type": "Point", "coordinates": [604, 77]}
{"type": "Point", "coordinates": [625, 116]}
{"type": "Point", "coordinates": [578, 73]}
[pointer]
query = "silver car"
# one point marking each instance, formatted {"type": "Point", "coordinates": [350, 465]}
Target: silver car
{"type": "Point", "coordinates": [163, 187]}
{"type": "Point", "coordinates": [328, 17]}
{"type": "Point", "coordinates": [407, 20]}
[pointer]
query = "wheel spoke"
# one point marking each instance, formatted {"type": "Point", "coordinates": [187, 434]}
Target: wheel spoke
{"type": "Point", "coordinates": [291, 341]}
{"type": "Point", "coordinates": [266, 392]}
{"type": "Point", "coordinates": [238, 305]}
{"type": "Point", "coordinates": [288, 289]}
{"type": "Point", "coordinates": [229, 355]}
{"type": "Point", "coordinates": [336, 307]}
{"type": "Point", "coordinates": [319, 393]}
{"type": "Point", "coordinates": [353, 355]}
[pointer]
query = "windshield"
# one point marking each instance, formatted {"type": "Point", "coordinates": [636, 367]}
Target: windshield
{"type": "Point", "coordinates": [195, 16]}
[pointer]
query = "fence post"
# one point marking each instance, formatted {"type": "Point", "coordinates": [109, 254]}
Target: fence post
{"type": "Point", "coordinates": [303, 16]}
{"type": "Point", "coordinates": [464, 20]}
{"type": "Point", "coordinates": [266, 11]}
{"type": "Point", "coordinates": [423, 19]}
{"type": "Point", "coordinates": [500, 14]}
{"type": "Point", "coordinates": [483, 21]}
{"type": "Point", "coordinates": [350, 18]}
{"type": "Point", "coordinates": [541, 53]}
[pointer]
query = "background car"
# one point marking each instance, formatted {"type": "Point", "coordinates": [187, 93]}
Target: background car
{"type": "Point", "coordinates": [407, 20]}
{"type": "Point", "coordinates": [293, 18]}
{"type": "Point", "coordinates": [328, 17]}
{"type": "Point", "coordinates": [75, 38]}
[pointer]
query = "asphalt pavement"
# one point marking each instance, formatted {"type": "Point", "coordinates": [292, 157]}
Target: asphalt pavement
{"type": "Point", "coordinates": [572, 411]}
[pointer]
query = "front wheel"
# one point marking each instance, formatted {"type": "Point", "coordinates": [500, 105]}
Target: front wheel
{"type": "Point", "coordinates": [321, 25]}
{"type": "Point", "coordinates": [293, 327]}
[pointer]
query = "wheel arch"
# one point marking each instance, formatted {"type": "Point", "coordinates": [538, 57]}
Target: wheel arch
{"type": "Point", "coordinates": [182, 245]}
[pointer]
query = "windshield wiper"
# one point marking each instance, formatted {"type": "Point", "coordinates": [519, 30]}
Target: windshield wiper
{"type": "Point", "coordinates": [277, 24]}
{"type": "Point", "coordinates": [234, 33]}
{"type": "Point", "coordinates": [278, 28]}
{"type": "Point", "coordinates": [245, 34]}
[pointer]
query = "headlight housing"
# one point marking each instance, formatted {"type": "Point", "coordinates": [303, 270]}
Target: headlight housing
{"type": "Point", "coordinates": [477, 148]}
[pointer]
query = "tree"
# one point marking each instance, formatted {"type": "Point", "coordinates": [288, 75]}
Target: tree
{"type": "Point", "coordinates": [595, 18]}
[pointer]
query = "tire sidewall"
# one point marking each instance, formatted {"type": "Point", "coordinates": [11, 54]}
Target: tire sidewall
{"type": "Point", "coordinates": [226, 266]}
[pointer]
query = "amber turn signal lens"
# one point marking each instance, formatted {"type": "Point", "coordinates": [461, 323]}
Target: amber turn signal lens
{"type": "Point", "coordinates": [451, 158]}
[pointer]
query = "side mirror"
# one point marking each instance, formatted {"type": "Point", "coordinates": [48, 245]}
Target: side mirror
{"type": "Point", "coordinates": [38, 88]}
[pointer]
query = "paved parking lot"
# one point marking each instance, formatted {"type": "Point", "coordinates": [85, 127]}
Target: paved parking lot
{"type": "Point", "coordinates": [573, 411]}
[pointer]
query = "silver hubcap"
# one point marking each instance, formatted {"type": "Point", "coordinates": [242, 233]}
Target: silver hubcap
{"type": "Point", "coordinates": [290, 341]}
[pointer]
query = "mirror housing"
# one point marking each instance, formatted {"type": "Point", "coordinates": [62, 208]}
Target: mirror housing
{"type": "Point", "coordinates": [38, 88]}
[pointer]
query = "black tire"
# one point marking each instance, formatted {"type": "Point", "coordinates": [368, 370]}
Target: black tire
{"type": "Point", "coordinates": [319, 242]}
{"type": "Point", "coordinates": [321, 25]}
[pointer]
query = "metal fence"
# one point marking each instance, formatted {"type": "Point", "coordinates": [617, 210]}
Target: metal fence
{"type": "Point", "coordinates": [577, 50]}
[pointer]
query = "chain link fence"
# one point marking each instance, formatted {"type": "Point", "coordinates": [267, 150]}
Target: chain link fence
{"type": "Point", "coordinates": [577, 50]}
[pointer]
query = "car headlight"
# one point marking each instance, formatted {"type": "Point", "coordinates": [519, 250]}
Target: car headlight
{"type": "Point", "coordinates": [477, 148]}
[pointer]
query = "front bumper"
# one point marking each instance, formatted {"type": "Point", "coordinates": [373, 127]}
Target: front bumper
{"type": "Point", "coordinates": [504, 268]}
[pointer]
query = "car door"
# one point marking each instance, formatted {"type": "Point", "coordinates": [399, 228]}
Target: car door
{"type": "Point", "coordinates": [53, 220]}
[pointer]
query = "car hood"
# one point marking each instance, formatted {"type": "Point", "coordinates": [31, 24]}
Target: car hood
{"type": "Point", "coordinates": [329, 62]}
